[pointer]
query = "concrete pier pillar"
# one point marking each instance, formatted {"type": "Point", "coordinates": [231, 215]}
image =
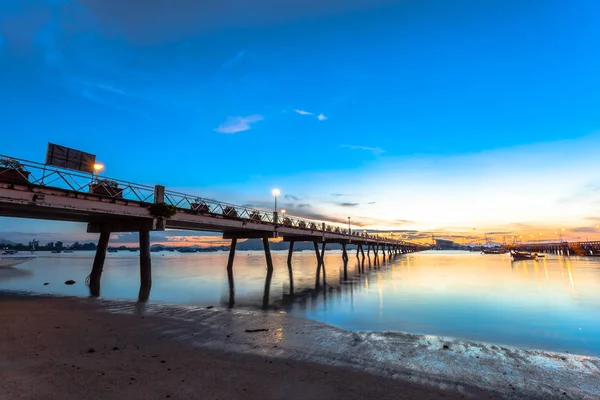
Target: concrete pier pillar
{"type": "Point", "coordinates": [145, 261]}
{"type": "Point", "coordinates": [289, 265]}
{"type": "Point", "coordinates": [145, 265]}
{"type": "Point", "coordinates": [323, 263]}
{"type": "Point", "coordinates": [318, 254]}
{"type": "Point", "coordinates": [230, 279]}
{"type": "Point", "coordinates": [267, 287]}
{"type": "Point", "coordinates": [345, 269]}
{"type": "Point", "coordinates": [375, 253]}
{"type": "Point", "coordinates": [290, 252]}
{"type": "Point", "coordinates": [98, 265]}
{"type": "Point", "coordinates": [268, 254]}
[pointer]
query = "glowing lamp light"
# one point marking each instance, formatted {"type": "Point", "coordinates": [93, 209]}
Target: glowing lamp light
{"type": "Point", "coordinates": [276, 192]}
{"type": "Point", "coordinates": [282, 211]}
{"type": "Point", "coordinates": [98, 167]}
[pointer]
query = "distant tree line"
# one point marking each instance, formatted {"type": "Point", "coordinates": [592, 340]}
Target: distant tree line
{"type": "Point", "coordinates": [58, 245]}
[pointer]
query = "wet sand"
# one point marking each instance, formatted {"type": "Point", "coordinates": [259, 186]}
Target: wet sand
{"type": "Point", "coordinates": [59, 348]}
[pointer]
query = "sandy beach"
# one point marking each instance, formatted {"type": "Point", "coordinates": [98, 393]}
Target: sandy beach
{"type": "Point", "coordinates": [57, 348]}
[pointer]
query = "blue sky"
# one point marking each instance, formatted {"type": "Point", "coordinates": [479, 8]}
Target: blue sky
{"type": "Point", "coordinates": [469, 108]}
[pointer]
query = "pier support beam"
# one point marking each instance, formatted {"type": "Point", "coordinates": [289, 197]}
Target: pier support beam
{"type": "Point", "coordinates": [98, 265]}
{"type": "Point", "coordinates": [323, 263]}
{"type": "Point", "coordinates": [289, 264]}
{"type": "Point", "coordinates": [267, 288]}
{"type": "Point", "coordinates": [319, 262]}
{"type": "Point", "coordinates": [230, 272]}
{"type": "Point", "coordinates": [290, 252]}
{"type": "Point", "coordinates": [145, 265]}
{"type": "Point", "coordinates": [344, 252]}
{"type": "Point", "coordinates": [268, 254]}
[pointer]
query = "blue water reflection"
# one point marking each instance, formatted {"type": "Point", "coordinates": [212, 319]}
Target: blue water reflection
{"type": "Point", "coordinates": [550, 304]}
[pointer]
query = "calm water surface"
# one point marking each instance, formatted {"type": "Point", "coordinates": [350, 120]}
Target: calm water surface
{"type": "Point", "coordinates": [551, 304]}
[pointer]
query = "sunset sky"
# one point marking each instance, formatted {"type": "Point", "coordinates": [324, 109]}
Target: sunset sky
{"type": "Point", "coordinates": [453, 118]}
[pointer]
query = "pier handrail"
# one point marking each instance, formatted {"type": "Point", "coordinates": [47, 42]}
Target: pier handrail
{"type": "Point", "coordinates": [49, 176]}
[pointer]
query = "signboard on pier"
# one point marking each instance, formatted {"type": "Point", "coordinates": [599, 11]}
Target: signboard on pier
{"type": "Point", "coordinates": [65, 157]}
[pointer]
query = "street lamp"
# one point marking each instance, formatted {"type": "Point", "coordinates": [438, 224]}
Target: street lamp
{"type": "Point", "coordinates": [349, 226]}
{"type": "Point", "coordinates": [97, 169]}
{"type": "Point", "coordinates": [275, 192]}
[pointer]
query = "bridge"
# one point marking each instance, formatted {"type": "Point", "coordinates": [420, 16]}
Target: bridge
{"type": "Point", "coordinates": [581, 248]}
{"type": "Point", "coordinates": [40, 191]}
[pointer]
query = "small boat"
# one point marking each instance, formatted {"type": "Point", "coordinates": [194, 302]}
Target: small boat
{"type": "Point", "coordinates": [133, 250]}
{"type": "Point", "coordinates": [10, 258]}
{"type": "Point", "coordinates": [112, 250]}
{"type": "Point", "coordinates": [56, 251]}
{"type": "Point", "coordinates": [494, 251]}
{"type": "Point", "coordinates": [523, 255]}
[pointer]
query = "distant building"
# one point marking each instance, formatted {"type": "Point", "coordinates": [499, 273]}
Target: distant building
{"type": "Point", "coordinates": [443, 244]}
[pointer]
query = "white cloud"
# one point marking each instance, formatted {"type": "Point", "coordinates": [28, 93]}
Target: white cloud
{"type": "Point", "coordinates": [321, 117]}
{"type": "Point", "coordinates": [374, 150]}
{"type": "Point", "coordinates": [238, 124]}
{"type": "Point", "coordinates": [302, 112]}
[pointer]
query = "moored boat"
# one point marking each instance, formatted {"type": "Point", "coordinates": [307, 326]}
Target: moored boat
{"type": "Point", "coordinates": [494, 251]}
{"type": "Point", "coordinates": [523, 255]}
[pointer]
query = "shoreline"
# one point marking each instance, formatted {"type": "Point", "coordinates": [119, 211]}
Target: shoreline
{"type": "Point", "coordinates": [422, 365]}
{"type": "Point", "coordinates": [63, 348]}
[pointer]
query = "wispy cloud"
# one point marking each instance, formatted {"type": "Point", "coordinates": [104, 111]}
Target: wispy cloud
{"type": "Point", "coordinates": [320, 117]}
{"type": "Point", "coordinates": [374, 150]}
{"type": "Point", "coordinates": [238, 124]}
{"type": "Point", "coordinates": [584, 229]}
{"type": "Point", "coordinates": [349, 204]}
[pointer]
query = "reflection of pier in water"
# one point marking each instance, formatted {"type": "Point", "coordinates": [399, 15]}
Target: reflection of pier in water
{"type": "Point", "coordinates": [301, 290]}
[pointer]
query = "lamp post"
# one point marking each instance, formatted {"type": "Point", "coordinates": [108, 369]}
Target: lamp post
{"type": "Point", "coordinates": [97, 169]}
{"type": "Point", "coordinates": [349, 231]}
{"type": "Point", "coordinates": [275, 192]}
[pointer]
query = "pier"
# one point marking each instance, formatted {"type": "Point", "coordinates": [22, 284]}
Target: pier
{"type": "Point", "coordinates": [42, 191]}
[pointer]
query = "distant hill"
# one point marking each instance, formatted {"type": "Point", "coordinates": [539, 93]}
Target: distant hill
{"type": "Point", "coordinates": [6, 241]}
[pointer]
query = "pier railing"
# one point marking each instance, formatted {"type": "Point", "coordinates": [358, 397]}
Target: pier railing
{"type": "Point", "coordinates": [19, 171]}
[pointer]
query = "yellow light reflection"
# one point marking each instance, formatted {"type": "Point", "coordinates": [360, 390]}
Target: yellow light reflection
{"type": "Point", "coordinates": [570, 272]}
{"type": "Point", "coordinates": [380, 290]}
